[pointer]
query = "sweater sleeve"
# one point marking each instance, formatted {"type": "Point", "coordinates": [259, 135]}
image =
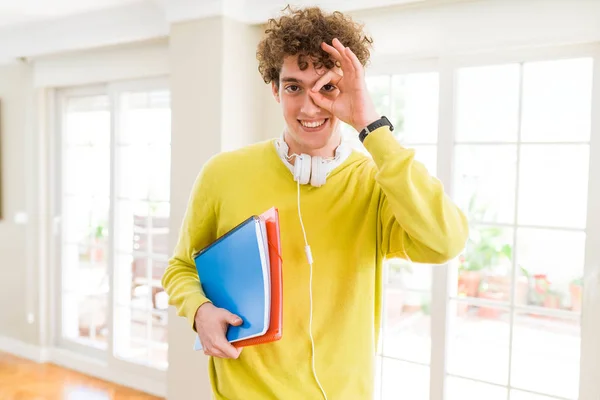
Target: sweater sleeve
{"type": "Point", "coordinates": [198, 230]}
{"type": "Point", "coordinates": [418, 221]}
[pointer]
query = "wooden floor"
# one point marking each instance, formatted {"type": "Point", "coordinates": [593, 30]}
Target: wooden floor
{"type": "Point", "coordinates": [26, 380]}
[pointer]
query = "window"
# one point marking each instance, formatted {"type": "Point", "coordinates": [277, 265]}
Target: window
{"type": "Point", "coordinates": [114, 195]}
{"type": "Point", "coordinates": [522, 177]}
{"type": "Point", "coordinates": [518, 164]}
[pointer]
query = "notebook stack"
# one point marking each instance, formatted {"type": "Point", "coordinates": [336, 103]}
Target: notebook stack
{"type": "Point", "coordinates": [242, 273]}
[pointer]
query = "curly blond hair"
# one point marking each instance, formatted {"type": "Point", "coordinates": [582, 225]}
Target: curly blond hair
{"type": "Point", "coordinates": [301, 32]}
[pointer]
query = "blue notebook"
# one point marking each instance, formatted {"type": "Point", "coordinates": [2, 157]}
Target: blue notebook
{"type": "Point", "coordinates": [234, 273]}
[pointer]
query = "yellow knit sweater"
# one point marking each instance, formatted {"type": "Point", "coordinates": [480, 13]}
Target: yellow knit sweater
{"type": "Point", "coordinates": [369, 209]}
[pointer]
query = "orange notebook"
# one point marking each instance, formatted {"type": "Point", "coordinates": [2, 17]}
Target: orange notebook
{"type": "Point", "coordinates": [275, 330]}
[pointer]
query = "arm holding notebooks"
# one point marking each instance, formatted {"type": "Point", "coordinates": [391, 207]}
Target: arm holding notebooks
{"type": "Point", "coordinates": [181, 278]}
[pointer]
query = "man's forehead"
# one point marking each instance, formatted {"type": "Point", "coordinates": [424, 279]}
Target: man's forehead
{"type": "Point", "coordinates": [291, 72]}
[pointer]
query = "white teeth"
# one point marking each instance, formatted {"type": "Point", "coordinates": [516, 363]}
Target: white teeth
{"type": "Point", "coordinates": [315, 124]}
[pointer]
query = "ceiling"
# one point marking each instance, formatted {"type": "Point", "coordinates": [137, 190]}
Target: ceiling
{"type": "Point", "coordinates": [13, 12]}
{"type": "Point", "coordinates": [34, 28]}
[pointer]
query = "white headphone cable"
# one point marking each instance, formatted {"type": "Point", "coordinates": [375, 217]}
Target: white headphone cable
{"type": "Point", "coordinates": [310, 262]}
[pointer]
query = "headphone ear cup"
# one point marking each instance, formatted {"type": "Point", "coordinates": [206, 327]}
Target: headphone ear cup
{"type": "Point", "coordinates": [302, 168]}
{"type": "Point", "coordinates": [318, 172]}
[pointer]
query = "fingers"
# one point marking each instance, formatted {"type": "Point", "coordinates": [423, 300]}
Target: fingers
{"type": "Point", "coordinates": [338, 52]}
{"type": "Point", "coordinates": [355, 61]}
{"type": "Point", "coordinates": [233, 319]}
{"type": "Point", "coordinates": [329, 77]}
{"type": "Point", "coordinates": [227, 348]}
{"type": "Point", "coordinates": [214, 340]}
{"type": "Point", "coordinates": [332, 51]}
{"type": "Point", "coordinates": [214, 352]}
{"type": "Point", "coordinates": [322, 101]}
{"type": "Point", "coordinates": [347, 65]}
{"type": "Point", "coordinates": [220, 347]}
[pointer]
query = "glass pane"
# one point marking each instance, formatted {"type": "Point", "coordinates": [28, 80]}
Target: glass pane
{"type": "Point", "coordinates": [401, 380]}
{"type": "Point", "coordinates": [85, 317]}
{"type": "Point", "coordinates": [133, 179]}
{"type": "Point", "coordinates": [407, 325]}
{"type": "Point", "coordinates": [415, 107]}
{"type": "Point", "coordinates": [85, 220]}
{"type": "Point", "coordinates": [87, 121]}
{"type": "Point", "coordinates": [484, 269]}
{"type": "Point", "coordinates": [160, 340]}
{"type": "Point", "coordinates": [520, 395]}
{"type": "Point", "coordinates": [464, 389]}
{"type": "Point", "coordinates": [145, 118]}
{"type": "Point", "coordinates": [553, 185]}
{"type": "Point", "coordinates": [546, 355]}
{"type": "Point", "coordinates": [555, 277]}
{"type": "Point", "coordinates": [488, 104]}
{"type": "Point", "coordinates": [379, 88]}
{"type": "Point", "coordinates": [350, 137]}
{"type": "Point", "coordinates": [159, 328]}
{"type": "Point", "coordinates": [82, 275]}
{"type": "Point", "coordinates": [144, 172]}
{"type": "Point", "coordinates": [563, 90]}
{"type": "Point", "coordinates": [478, 343]}
{"type": "Point", "coordinates": [131, 334]}
{"type": "Point", "coordinates": [131, 219]}
{"type": "Point", "coordinates": [378, 363]}
{"type": "Point", "coordinates": [160, 237]}
{"type": "Point", "coordinates": [132, 289]}
{"type": "Point", "coordinates": [86, 171]}
{"type": "Point", "coordinates": [158, 270]}
{"type": "Point", "coordinates": [485, 179]}
{"type": "Point", "coordinates": [427, 155]}
{"type": "Point", "coordinates": [402, 274]}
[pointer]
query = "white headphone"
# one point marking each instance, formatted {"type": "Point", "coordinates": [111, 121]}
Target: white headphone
{"type": "Point", "coordinates": [311, 169]}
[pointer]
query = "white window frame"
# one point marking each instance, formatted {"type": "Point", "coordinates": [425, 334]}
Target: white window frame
{"type": "Point", "coordinates": [445, 276]}
{"type": "Point", "coordinates": [96, 362]}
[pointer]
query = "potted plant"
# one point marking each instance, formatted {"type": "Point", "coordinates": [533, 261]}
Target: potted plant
{"type": "Point", "coordinates": [98, 242]}
{"type": "Point", "coordinates": [576, 292]}
{"type": "Point", "coordinates": [485, 251]}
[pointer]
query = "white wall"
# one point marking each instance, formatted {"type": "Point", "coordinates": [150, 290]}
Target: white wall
{"type": "Point", "coordinates": [99, 65]}
{"type": "Point", "coordinates": [218, 104]}
{"type": "Point", "coordinates": [245, 95]}
{"type": "Point", "coordinates": [18, 293]}
{"type": "Point", "coordinates": [473, 26]}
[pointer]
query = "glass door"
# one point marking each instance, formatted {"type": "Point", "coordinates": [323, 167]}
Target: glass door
{"type": "Point", "coordinates": [521, 156]}
{"type": "Point", "coordinates": [85, 203]}
{"type": "Point", "coordinates": [113, 194]}
{"type": "Point", "coordinates": [514, 316]}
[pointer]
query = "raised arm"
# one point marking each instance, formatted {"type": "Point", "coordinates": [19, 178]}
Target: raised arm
{"type": "Point", "coordinates": [419, 222]}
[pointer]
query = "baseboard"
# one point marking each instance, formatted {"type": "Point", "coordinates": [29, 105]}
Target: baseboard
{"type": "Point", "coordinates": [83, 364]}
{"type": "Point", "coordinates": [95, 368]}
{"type": "Point", "coordinates": [23, 350]}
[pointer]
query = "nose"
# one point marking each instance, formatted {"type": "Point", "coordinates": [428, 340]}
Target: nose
{"type": "Point", "coordinates": [309, 108]}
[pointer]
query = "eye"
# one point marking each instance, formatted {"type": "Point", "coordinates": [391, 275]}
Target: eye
{"type": "Point", "coordinates": [328, 87]}
{"type": "Point", "coordinates": [292, 88]}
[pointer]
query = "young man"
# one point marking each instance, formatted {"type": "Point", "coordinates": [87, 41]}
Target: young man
{"type": "Point", "coordinates": [353, 210]}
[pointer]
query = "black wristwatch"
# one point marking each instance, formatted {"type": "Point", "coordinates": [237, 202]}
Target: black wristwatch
{"type": "Point", "coordinates": [383, 121]}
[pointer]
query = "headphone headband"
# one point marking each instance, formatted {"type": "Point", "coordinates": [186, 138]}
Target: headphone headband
{"type": "Point", "coordinates": [311, 169]}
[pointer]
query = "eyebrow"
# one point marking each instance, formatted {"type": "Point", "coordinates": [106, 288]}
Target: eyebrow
{"type": "Point", "coordinates": [290, 79]}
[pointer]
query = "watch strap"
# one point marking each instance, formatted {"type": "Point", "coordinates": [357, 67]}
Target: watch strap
{"type": "Point", "coordinates": [383, 121]}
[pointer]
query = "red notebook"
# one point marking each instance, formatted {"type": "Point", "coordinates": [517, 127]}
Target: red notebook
{"type": "Point", "coordinates": [275, 330]}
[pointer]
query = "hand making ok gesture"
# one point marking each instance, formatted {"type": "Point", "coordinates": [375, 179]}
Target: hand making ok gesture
{"type": "Point", "coordinates": [353, 104]}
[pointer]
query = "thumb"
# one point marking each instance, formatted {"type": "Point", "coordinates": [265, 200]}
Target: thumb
{"type": "Point", "coordinates": [321, 101]}
{"type": "Point", "coordinates": [233, 319]}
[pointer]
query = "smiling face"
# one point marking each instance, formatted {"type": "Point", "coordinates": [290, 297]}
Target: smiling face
{"type": "Point", "coordinates": [309, 128]}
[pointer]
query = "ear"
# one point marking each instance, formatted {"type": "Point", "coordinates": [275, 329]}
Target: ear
{"type": "Point", "coordinates": [275, 90]}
